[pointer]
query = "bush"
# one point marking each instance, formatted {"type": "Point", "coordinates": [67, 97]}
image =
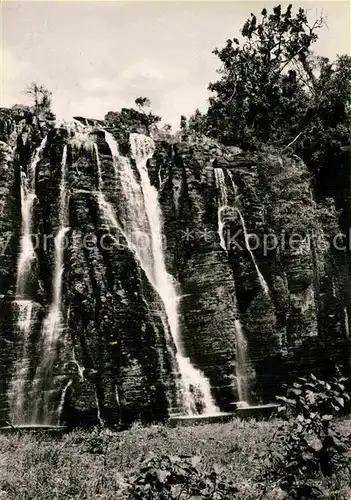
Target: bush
{"type": "Point", "coordinates": [183, 478]}
{"type": "Point", "coordinates": [307, 445]}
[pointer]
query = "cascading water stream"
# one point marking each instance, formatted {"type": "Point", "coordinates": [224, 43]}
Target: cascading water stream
{"type": "Point", "coordinates": [241, 343]}
{"type": "Point", "coordinates": [17, 392]}
{"type": "Point", "coordinates": [108, 211]}
{"type": "Point", "coordinates": [28, 196]}
{"type": "Point", "coordinates": [27, 250]}
{"type": "Point", "coordinates": [241, 364]}
{"type": "Point", "coordinates": [141, 222]}
{"type": "Point", "coordinates": [42, 387]}
{"type": "Point", "coordinates": [261, 279]}
{"type": "Point", "coordinates": [222, 205]}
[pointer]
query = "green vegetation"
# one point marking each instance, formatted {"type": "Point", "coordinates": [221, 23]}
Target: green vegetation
{"type": "Point", "coordinates": [171, 477]}
{"type": "Point", "coordinates": [104, 465]}
{"type": "Point", "coordinates": [309, 444]}
{"type": "Point", "coordinates": [305, 455]}
{"type": "Point", "coordinates": [274, 91]}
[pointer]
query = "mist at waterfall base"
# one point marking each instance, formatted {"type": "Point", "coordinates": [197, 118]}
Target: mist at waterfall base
{"type": "Point", "coordinates": [36, 396]}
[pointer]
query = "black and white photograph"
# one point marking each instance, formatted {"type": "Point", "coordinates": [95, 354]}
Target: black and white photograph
{"type": "Point", "coordinates": [175, 250]}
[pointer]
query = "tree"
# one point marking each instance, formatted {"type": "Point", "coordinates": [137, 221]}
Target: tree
{"type": "Point", "coordinates": [324, 142]}
{"type": "Point", "coordinates": [183, 123]}
{"type": "Point", "coordinates": [41, 97]}
{"type": "Point", "coordinates": [273, 90]}
{"type": "Point", "coordinates": [197, 123]}
{"type": "Point", "coordinates": [253, 98]}
{"type": "Point", "coordinates": [142, 103]}
{"type": "Point", "coordinates": [133, 120]}
{"type": "Point", "coordinates": [167, 128]}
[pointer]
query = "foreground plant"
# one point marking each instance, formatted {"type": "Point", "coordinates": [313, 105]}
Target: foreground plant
{"type": "Point", "coordinates": [307, 445]}
{"type": "Point", "coordinates": [169, 477]}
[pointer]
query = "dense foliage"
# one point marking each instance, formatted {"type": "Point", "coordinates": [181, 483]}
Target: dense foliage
{"type": "Point", "coordinates": [308, 445]}
{"type": "Point", "coordinates": [273, 90]}
{"type": "Point", "coordinates": [170, 477]}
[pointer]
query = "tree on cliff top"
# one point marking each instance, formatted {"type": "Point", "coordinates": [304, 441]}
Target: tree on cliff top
{"type": "Point", "coordinates": [42, 99]}
{"type": "Point", "coordinates": [142, 103]}
{"type": "Point", "coordinates": [133, 120]}
{"type": "Point", "coordinates": [260, 80]}
{"type": "Point", "coordinates": [273, 90]}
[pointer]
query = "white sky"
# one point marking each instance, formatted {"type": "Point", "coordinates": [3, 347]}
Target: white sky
{"type": "Point", "coordinates": [100, 56]}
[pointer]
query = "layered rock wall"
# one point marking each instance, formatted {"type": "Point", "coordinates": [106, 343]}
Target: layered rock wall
{"type": "Point", "coordinates": [113, 361]}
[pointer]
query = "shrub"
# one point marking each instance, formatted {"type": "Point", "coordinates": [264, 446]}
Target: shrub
{"type": "Point", "coordinates": [307, 445]}
{"type": "Point", "coordinates": [183, 478]}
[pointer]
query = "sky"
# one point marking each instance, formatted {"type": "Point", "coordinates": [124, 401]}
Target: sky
{"type": "Point", "coordinates": [97, 56]}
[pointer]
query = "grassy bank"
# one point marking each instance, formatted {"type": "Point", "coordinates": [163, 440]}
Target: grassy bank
{"type": "Point", "coordinates": [92, 465]}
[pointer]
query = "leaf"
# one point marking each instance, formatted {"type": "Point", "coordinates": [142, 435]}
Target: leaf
{"type": "Point", "coordinates": [310, 396]}
{"type": "Point", "coordinates": [307, 457]}
{"type": "Point", "coordinates": [216, 469]}
{"type": "Point", "coordinates": [162, 475]}
{"type": "Point", "coordinates": [340, 401]}
{"type": "Point", "coordinates": [315, 443]}
{"type": "Point", "coordinates": [195, 460]}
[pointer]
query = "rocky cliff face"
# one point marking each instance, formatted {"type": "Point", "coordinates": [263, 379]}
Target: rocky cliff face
{"type": "Point", "coordinates": [113, 360]}
{"type": "Point", "coordinates": [295, 314]}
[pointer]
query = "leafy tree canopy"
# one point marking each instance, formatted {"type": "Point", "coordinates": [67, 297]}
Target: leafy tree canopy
{"type": "Point", "coordinates": [273, 90]}
{"type": "Point", "coordinates": [260, 77]}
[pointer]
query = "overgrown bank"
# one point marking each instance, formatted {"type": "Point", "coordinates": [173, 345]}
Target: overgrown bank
{"type": "Point", "coordinates": [85, 465]}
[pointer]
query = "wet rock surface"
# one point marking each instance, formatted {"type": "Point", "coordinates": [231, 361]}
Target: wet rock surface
{"type": "Point", "coordinates": [114, 364]}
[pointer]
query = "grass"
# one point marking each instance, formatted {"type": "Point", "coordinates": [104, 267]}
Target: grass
{"type": "Point", "coordinates": [91, 465]}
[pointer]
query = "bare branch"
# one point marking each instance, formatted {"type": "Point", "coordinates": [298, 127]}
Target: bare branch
{"type": "Point", "coordinates": [293, 141]}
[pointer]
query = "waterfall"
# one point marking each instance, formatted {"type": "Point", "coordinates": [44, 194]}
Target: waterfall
{"type": "Point", "coordinates": [62, 399]}
{"type": "Point", "coordinates": [142, 226]}
{"type": "Point", "coordinates": [18, 385]}
{"type": "Point", "coordinates": [241, 363]}
{"type": "Point", "coordinates": [27, 253]}
{"type": "Point", "coordinates": [17, 390]}
{"type": "Point", "coordinates": [42, 386]}
{"type": "Point", "coordinates": [222, 205]}
{"type": "Point", "coordinates": [261, 279]}
{"type": "Point", "coordinates": [347, 325]}
{"type": "Point", "coordinates": [241, 343]}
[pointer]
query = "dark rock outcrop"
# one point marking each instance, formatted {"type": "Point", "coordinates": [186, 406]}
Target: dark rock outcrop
{"type": "Point", "coordinates": [114, 363]}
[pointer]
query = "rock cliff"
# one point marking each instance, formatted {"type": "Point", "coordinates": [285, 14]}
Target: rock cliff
{"type": "Point", "coordinates": [114, 360]}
